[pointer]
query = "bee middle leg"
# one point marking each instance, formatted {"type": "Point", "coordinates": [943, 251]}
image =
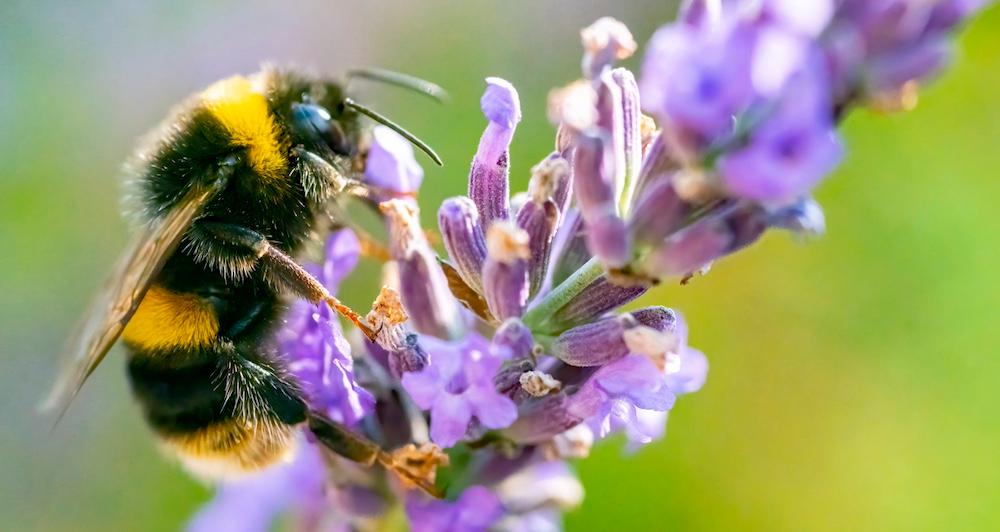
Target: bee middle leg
{"type": "Point", "coordinates": [242, 248]}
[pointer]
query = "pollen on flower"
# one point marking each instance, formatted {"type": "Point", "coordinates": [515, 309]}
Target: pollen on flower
{"type": "Point", "coordinates": [574, 105]}
{"type": "Point", "coordinates": [544, 177]}
{"type": "Point", "coordinates": [507, 243]}
{"type": "Point", "coordinates": [604, 42]}
{"type": "Point", "coordinates": [388, 308]}
{"type": "Point", "coordinates": [651, 343]}
{"type": "Point", "coordinates": [902, 98]}
{"type": "Point", "coordinates": [608, 32]}
{"type": "Point", "coordinates": [538, 383]}
{"type": "Point", "coordinates": [404, 227]}
{"type": "Point", "coordinates": [386, 318]}
{"type": "Point", "coordinates": [420, 462]}
{"type": "Point", "coordinates": [573, 443]}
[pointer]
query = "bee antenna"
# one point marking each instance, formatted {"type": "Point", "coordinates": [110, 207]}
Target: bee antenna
{"type": "Point", "coordinates": [381, 119]}
{"type": "Point", "coordinates": [398, 79]}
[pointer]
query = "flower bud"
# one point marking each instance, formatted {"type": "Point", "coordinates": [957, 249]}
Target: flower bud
{"type": "Point", "coordinates": [658, 212]}
{"type": "Point", "coordinates": [598, 298]}
{"type": "Point", "coordinates": [539, 219]}
{"type": "Point", "coordinates": [630, 130]}
{"type": "Point", "coordinates": [512, 340]}
{"type": "Point", "coordinates": [505, 273]}
{"type": "Point", "coordinates": [607, 235]}
{"type": "Point", "coordinates": [488, 180]}
{"type": "Point", "coordinates": [464, 239]}
{"type": "Point", "coordinates": [603, 341]}
{"type": "Point", "coordinates": [423, 286]}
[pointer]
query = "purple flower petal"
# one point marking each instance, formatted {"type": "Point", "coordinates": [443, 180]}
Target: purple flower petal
{"type": "Point", "coordinates": [698, 78]}
{"type": "Point", "coordinates": [313, 344]}
{"type": "Point", "coordinates": [423, 386]}
{"type": "Point", "coordinates": [340, 257]}
{"type": "Point", "coordinates": [809, 18]}
{"type": "Point", "coordinates": [255, 503]}
{"type": "Point", "coordinates": [390, 164]}
{"type": "Point", "coordinates": [475, 511]}
{"type": "Point", "coordinates": [450, 416]}
{"type": "Point", "coordinates": [500, 103]}
{"type": "Point", "coordinates": [493, 410]}
{"type": "Point", "coordinates": [635, 378]}
{"type": "Point", "coordinates": [458, 384]}
{"type": "Point", "coordinates": [691, 374]}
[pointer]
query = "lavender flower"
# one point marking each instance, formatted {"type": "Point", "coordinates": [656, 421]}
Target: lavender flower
{"type": "Point", "coordinates": [464, 238]}
{"type": "Point", "coordinates": [633, 379]}
{"type": "Point", "coordinates": [457, 386]}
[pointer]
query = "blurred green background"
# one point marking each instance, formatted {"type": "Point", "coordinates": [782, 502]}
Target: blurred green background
{"type": "Point", "coordinates": [855, 379]}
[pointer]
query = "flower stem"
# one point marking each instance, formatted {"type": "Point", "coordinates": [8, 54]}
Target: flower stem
{"type": "Point", "coordinates": [562, 294]}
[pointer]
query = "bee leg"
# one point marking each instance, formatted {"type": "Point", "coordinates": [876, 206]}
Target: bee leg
{"type": "Point", "coordinates": [357, 448]}
{"type": "Point", "coordinates": [278, 267]}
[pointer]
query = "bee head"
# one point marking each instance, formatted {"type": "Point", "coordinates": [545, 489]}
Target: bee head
{"type": "Point", "coordinates": [314, 126]}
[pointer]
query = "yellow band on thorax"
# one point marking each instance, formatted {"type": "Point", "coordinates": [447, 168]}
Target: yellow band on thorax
{"type": "Point", "coordinates": [245, 115]}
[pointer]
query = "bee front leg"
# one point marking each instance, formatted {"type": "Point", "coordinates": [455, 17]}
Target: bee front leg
{"type": "Point", "coordinates": [236, 250]}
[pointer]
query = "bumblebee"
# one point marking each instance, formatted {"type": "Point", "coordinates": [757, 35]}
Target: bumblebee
{"type": "Point", "coordinates": [228, 190]}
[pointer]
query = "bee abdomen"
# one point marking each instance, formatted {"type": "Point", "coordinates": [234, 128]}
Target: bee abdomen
{"type": "Point", "coordinates": [218, 411]}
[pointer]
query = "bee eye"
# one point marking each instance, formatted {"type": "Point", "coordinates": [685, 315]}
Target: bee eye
{"type": "Point", "coordinates": [313, 122]}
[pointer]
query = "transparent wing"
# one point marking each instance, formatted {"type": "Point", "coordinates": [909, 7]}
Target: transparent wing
{"type": "Point", "coordinates": [114, 307]}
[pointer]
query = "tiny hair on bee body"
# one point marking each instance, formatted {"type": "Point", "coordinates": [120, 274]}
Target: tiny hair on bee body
{"type": "Point", "coordinates": [230, 188]}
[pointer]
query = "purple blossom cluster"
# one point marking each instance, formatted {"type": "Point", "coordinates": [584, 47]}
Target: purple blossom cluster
{"type": "Point", "coordinates": [513, 352]}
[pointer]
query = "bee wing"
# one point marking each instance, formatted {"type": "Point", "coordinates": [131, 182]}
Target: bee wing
{"type": "Point", "coordinates": [114, 307]}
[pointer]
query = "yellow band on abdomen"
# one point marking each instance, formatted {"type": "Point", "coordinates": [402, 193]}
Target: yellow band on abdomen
{"type": "Point", "coordinates": [168, 320]}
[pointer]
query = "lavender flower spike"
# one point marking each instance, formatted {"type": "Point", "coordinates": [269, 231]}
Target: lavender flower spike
{"type": "Point", "coordinates": [505, 274]}
{"type": "Point", "coordinates": [488, 179]}
{"type": "Point", "coordinates": [463, 237]}
{"type": "Point", "coordinates": [423, 286]}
